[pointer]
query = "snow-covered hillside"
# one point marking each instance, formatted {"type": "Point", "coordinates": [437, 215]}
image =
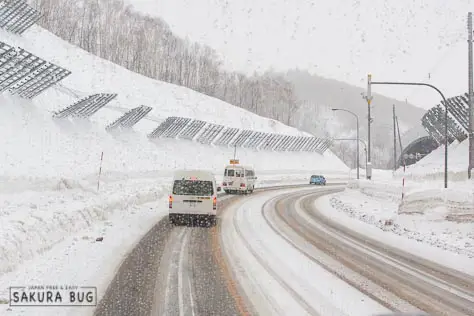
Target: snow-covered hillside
{"type": "Point", "coordinates": [59, 151]}
{"type": "Point", "coordinates": [405, 40]}
{"type": "Point", "coordinates": [91, 74]}
{"type": "Point", "coordinates": [50, 205]}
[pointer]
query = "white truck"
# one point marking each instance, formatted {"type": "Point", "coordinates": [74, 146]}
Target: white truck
{"type": "Point", "coordinates": [193, 196]}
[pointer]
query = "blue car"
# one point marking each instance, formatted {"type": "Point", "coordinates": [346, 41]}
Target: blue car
{"type": "Point", "coordinates": [317, 179]}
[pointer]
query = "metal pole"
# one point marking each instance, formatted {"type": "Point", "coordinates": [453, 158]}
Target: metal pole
{"type": "Point", "coordinates": [368, 171]}
{"type": "Point", "coordinates": [394, 142]}
{"type": "Point", "coordinates": [399, 138]}
{"type": "Point", "coordinates": [358, 139]}
{"type": "Point", "coordinates": [446, 141]}
{"type": "Point", "coordinates": [471, 98]}
{"type": "Point", "coordinates": [365, 149]}
{"type": "Point", "coordinates": [235, 150]}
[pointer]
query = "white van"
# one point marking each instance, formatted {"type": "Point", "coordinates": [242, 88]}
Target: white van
{"type": "Point", "coordinates": [193, 196]}
{"type": "Point", "coordinates": [239, 179]}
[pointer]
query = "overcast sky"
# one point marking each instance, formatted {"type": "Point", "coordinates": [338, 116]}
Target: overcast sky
{"type": "Point", "coordinates": [401, 40]}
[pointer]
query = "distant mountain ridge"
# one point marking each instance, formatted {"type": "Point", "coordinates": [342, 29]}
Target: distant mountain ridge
{"type": "Point", "coordinates": [322, 94]}
{"type": "Point", "coordinates": [339, 94]}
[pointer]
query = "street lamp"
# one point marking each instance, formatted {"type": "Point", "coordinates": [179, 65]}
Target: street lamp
{"type": "Point", "coordinates": [446, 135]}
{"type": "Point", "coordinates": [358, 139]}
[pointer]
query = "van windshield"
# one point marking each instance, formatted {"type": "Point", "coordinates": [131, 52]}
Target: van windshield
{"type": "Point", "coordinates": [193, 187]}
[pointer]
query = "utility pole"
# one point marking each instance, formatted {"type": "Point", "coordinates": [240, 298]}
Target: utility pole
{"type": "Point", "coordinates": [471, 98]}
{"type": "Point", "coordinates": [368, 97]}
{"type": "Point", "coordinates": [394, 141]}
{"type": "Point", "coordinates": [399, 138]}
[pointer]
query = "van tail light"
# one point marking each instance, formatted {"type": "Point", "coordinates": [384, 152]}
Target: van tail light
{"type": "Point", "coordinates": [242, 185]}
{"type": "Point", "coordinates": [170, 201]}
{"type": "Point", "coordinates": [214, 203]}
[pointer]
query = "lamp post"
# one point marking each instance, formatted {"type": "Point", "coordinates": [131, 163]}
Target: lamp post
{"type": "Point", "coordinates": [358, 139]}
{"type": "Point", "coordinates": [446, 135]}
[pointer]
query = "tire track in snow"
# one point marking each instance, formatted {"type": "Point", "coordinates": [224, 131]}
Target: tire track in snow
{"type": "Point", "coordinates": [291, 232]}
{"type": "Point", "coordinates": [309, 309]}
{"type": "Point", "coordinates": [402, 274]}
{"type": "Point", "coordinates": [171, 271]}
{"type": "Point", "coordinates": [174, 270]}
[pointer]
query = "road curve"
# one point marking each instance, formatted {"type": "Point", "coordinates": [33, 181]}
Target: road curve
{"type": "Point", "coordinates": [398, 280]}
{"type": "Point", "coordinates": [177, 271]}
{"type": "Point", "coordinates": [274, 278]}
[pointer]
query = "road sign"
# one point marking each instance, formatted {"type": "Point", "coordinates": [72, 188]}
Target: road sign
{"type": "Point", "coordinates": [234, 161]}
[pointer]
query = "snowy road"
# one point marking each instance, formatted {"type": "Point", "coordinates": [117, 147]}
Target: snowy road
{"type": "Point", "coordinates": [189, 280]}
{"type": "Point", "coordinates": [273, 253]}
{"type": "Point", "coordinates": [290, 259]}
{"type": "Point", "coordinates": [176, 270]}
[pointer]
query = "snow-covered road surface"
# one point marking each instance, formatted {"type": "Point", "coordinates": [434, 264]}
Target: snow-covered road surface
{"type": "Point", "coordinates": [290, 259]}
{"type": "Point", "coordinates": [173, 270]}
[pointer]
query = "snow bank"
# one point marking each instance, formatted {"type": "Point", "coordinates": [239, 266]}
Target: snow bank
{"type": "Point", "coordinates": [32, 223]}
{"type": "Point", "coordinates": [421, 197]}
{"type": "Point", "coordinates": [431, 167]}
{"type": "Point", "coordinates": [428, 215]}
{"type": "Point", "coordinates": [82, 258]}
